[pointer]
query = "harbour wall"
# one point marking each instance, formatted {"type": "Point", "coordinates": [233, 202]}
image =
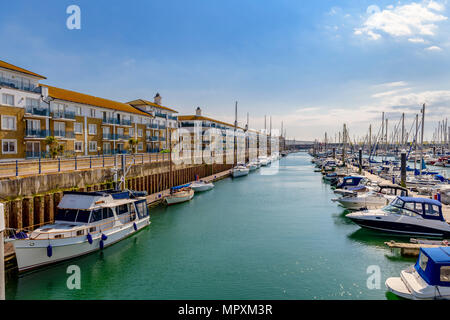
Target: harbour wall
{"type": "Point", "coordinates": [31, 201]}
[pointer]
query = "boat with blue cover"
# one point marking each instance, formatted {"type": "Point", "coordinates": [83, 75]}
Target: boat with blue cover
{"type": "Point", "coordinates": [428, 279]}
{"type": "Point", "coordinates": [406, 216]}
{"type": "Point", "coordinates": [179, 194]}
{"type": "Point", "coordinates": [84, 222]}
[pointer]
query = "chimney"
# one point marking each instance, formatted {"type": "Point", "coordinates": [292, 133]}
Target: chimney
{"type": "Point", "coordinates": [157, 99]}
{"type": "Point", "coordinates": [198, 112]}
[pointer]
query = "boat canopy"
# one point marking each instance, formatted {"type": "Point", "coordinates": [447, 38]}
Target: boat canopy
{"type": "Point", "coordinates": [351, 181]}
{"type": "Point", "coordinates": [394, 187]}
{"type": "Point", "coordinates": [433, 265]}
{"type": "Point", "coordinates": [427, 208]}
{"type": "Point", "coordinates": [421, 200]}
{"type": "Point", "coordinates": [180, 187]}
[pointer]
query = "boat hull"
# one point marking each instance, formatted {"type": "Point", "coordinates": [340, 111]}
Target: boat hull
{"type": "Point", "coordinates": [32, 254]}
{"type": "Point", "coordinates": [170, 200]}
{"type": "Point", "coordinates": [202, 188]}
{"type": "Point", "coordinates": [240, 173]}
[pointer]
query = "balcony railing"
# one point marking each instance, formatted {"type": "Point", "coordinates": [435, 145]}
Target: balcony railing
{"type": "Point", "coordinates": [64, 134]}
{"type": "Point", "coordinates": [37, 111]}
{"type": "Point", "coordinates": [162, 138]}
{"type": "Point", "coordinates": [110, 121]}
{"type": "Point", "coordinates": [151, 138]}
{"type": "Point", "coordinates": [162, 126]}
{"type": "Point", "coordinates": [124, 122]}
{"type": "Point", "coordinates": [172, 118]}
{"type": "Point", "coordinates": [155, 150]}
{"type": "Point", "coordinates": [160, 114]}
{"type": "Point", "coordinates": [152, 126]}
{"type": "Point", "coordinates": [115, 136]}
{"type": "Point", "coordinates": [36, 133]}
{"type": "Point", "coordinates": [15, 84]}
{"type": "Point", "coordinates": [63, 115]}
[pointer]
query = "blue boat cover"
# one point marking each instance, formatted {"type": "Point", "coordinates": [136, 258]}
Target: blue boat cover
{"type": "Point", "coordinates": [437, 257]}
{"type": "Point", "coordinates": [181, 187]}
{"type": "Point", "coordinates": [421, 200]}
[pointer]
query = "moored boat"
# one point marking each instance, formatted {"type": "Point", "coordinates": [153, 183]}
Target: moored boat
{"type": "Point", "coordinates": [200, 186]}
{"type": "Point", "coordinates": [428, 279]}
{"type": "Point", "coordinates": [85, 222]}
{"type": "Point", "coordinates": [179, 194]}
{"type": "Point", "coordinates": [239, 171]}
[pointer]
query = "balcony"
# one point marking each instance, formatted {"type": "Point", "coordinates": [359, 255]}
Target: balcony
{"type": "Point", "coordinates": [37, 111]}
{"type": "Point", "coordinates": [110, 121]}
{"type": "Point", "coordinates": [64, 134]}
{"type": "Point", "coordinates": [162, 126]}
{"type": "Point", "coordinates": [122, 136]}
{"type": "Point", "coordinates": [160, 114]}
{"type": "Point", "coordinates": [152, 126]}
{"type": "Point", "coordinates": [124, 122]}
{"type": "Point", "coordinates": [172, 118]}
{"type": "Point", "coordinates": [14, 84]}
{"type": "Point", "coordinates": [36, 133]}
{"type": "Point", "coordinates": [152, 138]}
{"type": "Point", "coordinates": [162, 138]}
{"type": "Point", "coordinates": [69, 115]}
{"type": "Point", "coordinates": [154, 150]}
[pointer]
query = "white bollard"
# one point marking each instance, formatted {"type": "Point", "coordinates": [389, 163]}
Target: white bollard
{"type": "Point", "coordinates": [2, 253]}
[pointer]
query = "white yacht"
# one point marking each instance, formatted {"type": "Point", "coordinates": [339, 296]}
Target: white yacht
{"type": "Point", "coordinates": [372, 199]}
{"type": "Point", "coordinates": [240, 171]}
{"type": "Point", "coordinates": [428, 279]}
{"type": "Point", "coordinates": [179, 194]}
{"type": "Point", "coordinates": [200, 186]}
{"type": "Point", "coordinates": [84, 222]}
{"type": "Point", "coordinates": [406, 216]}
{"type": "Point", "coordinates": [264, 161]}
{"type": "Point", "coordinates": [252, 166]}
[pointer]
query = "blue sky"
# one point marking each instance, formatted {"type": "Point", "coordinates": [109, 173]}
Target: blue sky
{"type": "Point", "coordinates": [311, 64]}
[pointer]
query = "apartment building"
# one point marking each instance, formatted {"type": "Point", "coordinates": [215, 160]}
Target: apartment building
{"type": "Point", "coordinates": [164, 122]}
{"type": "Point", "coordinates": [83, 124]}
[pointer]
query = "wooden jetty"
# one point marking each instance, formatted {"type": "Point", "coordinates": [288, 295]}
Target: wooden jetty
{"type": "Point", "coordinates": [412, 248]}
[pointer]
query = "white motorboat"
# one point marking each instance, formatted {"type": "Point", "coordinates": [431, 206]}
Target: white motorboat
{"type": "Point", "coordinates": [179, 194]}
{"type": "Point", "coordinates": [405, 216]}
{"type": "Point", "coordinates": [428, 279]}
{"type": "Point", "coordinates": [252, 166]}
{"type": "Point", "coordinates": [239, 171]}
{"type": "Point", "coordinates": [200, 186]}
{"type": "Point", "coordinates": [84, 222]}
{"type": "Point", "coordinates": [264, 161]}
{"type": "Point", "coordinates": [351, 183]}
{"type": "Point", "coordinates": [372, 199]}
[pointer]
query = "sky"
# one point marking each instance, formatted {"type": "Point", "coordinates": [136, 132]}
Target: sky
{"type": "Point", "coordinates": [313, 65]}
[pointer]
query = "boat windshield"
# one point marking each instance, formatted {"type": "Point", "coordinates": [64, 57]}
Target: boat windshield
{"type": "Point", "coordinates": [399, 206]}
{"type": "Point", "coordinates": [72, 215]}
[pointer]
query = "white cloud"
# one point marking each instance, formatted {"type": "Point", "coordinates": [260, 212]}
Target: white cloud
{"type": "Point", "coordinates": [434, 48]}
{"type": "Point", "coordinates": [408, 20]}
{"type": "Point", "coordinates": [416, 40]}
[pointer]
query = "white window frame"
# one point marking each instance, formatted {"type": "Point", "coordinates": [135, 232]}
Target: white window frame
{"type": "Point", "coordinates": [92, 125]}
{"type": "Point", "coordinates": [91, 143]}
{"type": "Point", "coordinates": [78, 110]}
{"type": "Point", "coordinates": [140, 146]}
{"type": "Point", "coordinates": [15, 146]}
{"type": "Point", "coordinates": [140, 132]}
{"type": "Point", "coordinates": [74, 146]}
{"type": "Point", "coordinates": [5, 102]}
{"type": "Point", "coordinates": [106, 144]}
{"type": "Point", "coordinates": [92, 113]}
{"type": "Point", "coordinates": [131, 132]}
{"type": "Point", "coordinates": [4, 117]}
{"type": "Point", "coordinates": [80, 125]}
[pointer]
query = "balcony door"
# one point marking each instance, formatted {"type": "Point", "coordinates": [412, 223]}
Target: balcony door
{"type": "Point", "coordinates": [33, 149]}
{"type": "Point", "coordinates": [59, 129]}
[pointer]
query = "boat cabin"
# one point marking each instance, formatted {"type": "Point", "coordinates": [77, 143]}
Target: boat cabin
{"type": "Point", "coordinates": [433, 265]}
{"type": "Point", "coordinates": [351, 181]}
{"type": "Point", "coordinates": [426, 208]}
{"type": "Point", "coordinates": [393, 189]}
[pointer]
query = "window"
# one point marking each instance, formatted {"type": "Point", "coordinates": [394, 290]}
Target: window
{"type": "Point", "coordinates": [32, 102]}
{"type": "Point", "coordinates": [120, 131]}
{"type": "Point", "coordinates": [92, 128]}
{"type": "Point", "coordinates": [423, 260]}
{"type": "Point", "coordinates": [8, 99]}
{"type": "Point", "coordinates": [92, 146]}
{"type": "Point", "coordinates": [122, 209]}
{"type": "Point", "coordinates": [131, 132]}
{"type": "Point", "coordinates": [106, 147]}
{"type": "Point", "coordinates": [78, 146]}
{"type": "Point", "coordinates": [92, 113]}
{"type": "Point", "coordinates": [140, 146]}
{"type": "Point", "coordinates": [8, 123]}
{"type": "Point", "coordinates": [66, 215]}
{"type": "Point", "coordinates": [9, 146]}
{"type": "Point", "coordinates": [78, 110]}
{"type": "Point", "coordinates": [78, 127]}
{"type": "Point", "coordinates": [445, 273]}
{"type": "Point", "coordinates": [59, 129]}
{"type": "Point", "coordinates": [140, 132]}
{"type": "Point", "coordinates": [96, 215]}
{"type": "Point", "coordinates": [107, 213]}
{"type": "Point", "coordinates": [431, 210]}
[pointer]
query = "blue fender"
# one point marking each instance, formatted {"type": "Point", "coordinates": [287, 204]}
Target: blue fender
{"type": "Point", "coordinates": [104, 237]}
{"type": "Point", "coordinates": [134, 226]}
{"type": "Point", "coordinates": [49, 250]}
{"type": "Point", "coordinates": [102, 245]}
{"type": "Point", "coordinates": [89, 238]}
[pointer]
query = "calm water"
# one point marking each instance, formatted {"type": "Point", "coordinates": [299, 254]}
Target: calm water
{"type": "Point", "coordinates": [257, 237]}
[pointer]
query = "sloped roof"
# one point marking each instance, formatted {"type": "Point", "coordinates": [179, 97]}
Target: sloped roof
{"type": "Point", "coordinates": [140, 102]}
{"type": "Point", "coordinates": [68, 95]}
{"type": "Point", "coordinates": [9, 66]}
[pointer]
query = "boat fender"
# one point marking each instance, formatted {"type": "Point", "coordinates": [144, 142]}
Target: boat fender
{"type": "Point", "coordinates": [101, 245]}
{"type": "Point", "coordinates": [49, 250]}
{"type": "Point", "coordinates": [104, 237]}
{"type": "Point", "coordinates": [134, 226]}
{"type": "Point", "coordinates": [89, 238]}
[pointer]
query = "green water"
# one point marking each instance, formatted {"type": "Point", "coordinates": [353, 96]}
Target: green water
{"type": "Point", "coordinates": [257, 237]}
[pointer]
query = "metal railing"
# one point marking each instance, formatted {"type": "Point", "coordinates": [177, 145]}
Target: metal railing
{"type": "Point", "coordinates": [37, 111]}
{"type": "Point", "coordinates": [64, 134]}
{"type": "Point", "coordinates": [36, 133]}
{"type": "Point", "coordinates": [63, 115]}
{"type": "Point", "coordinates": [41, 162]}
{"type": "Point", "coordinates": [15, 84]}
